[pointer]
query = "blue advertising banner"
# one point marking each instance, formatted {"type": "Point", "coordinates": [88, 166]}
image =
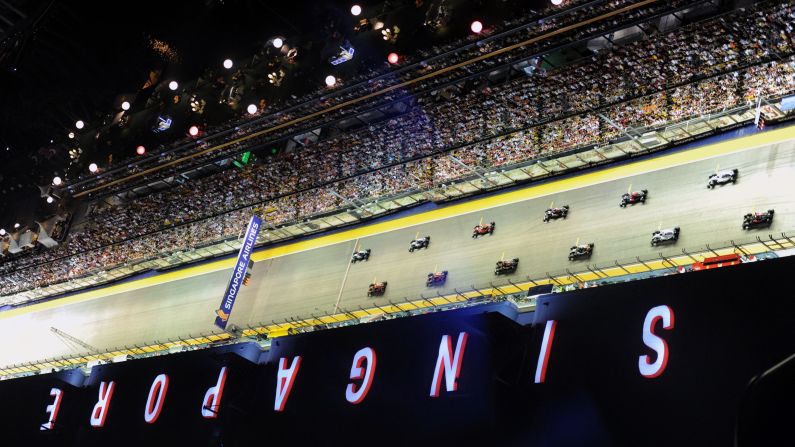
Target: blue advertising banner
{"type": "Point", "coordinates": [238, 273]}
{"type": "Point", "coordinates": [788, 103]}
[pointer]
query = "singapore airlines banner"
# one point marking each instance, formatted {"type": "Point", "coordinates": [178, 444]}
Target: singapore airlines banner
{"type": "Point", "coordinates": [648, 363]}
{"type": "Point", "coordinates": [238, 272]}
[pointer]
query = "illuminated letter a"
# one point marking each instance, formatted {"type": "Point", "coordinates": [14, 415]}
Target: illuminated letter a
{"type": "Point", "coordinates": [284, 381]}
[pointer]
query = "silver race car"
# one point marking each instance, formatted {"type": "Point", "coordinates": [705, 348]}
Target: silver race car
{"type": "Point", "coordinates": [669, 235]}
{"type": "Point", "coordinates": [422, 242]}
{"type": "Point", "coordinates": [722, 177]}
{"type": "Point", "coordinates": [361, 255]}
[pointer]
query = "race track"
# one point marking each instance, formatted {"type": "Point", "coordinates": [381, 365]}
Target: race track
{"type": "Point", "coordinates": [316, 281]}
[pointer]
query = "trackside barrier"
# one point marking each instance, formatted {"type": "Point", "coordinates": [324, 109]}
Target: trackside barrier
{"type": "Point", "coordinates": [752, 249]}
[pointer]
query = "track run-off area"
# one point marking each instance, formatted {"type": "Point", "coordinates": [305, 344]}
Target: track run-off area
{"type": "Point", "coordinates": [313, 277]}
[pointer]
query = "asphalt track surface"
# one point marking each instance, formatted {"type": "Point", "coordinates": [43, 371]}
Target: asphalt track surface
{"type": "Point", "coordinates": [316, 281]}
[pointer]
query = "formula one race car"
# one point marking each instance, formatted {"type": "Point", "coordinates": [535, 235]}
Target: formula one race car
{"type": "Point", "coordinates": [376, 289]}
{"type": "Point", "coordinates": [422, 242]}
{"type": "Point", "coordinates": [506, 267]}
{"type": "Point", "coordinates": [580, 251]}
{"type": "Point", "coordinates": [361, 255]}
{"type": "Point", "coordinates": [556, 213]}
{"type": "Point", "coordinates": [663, 236]}
{"type": "Point", "coordinates": [722, 177]}
{"type": "Point", "coordinates": [436, 279]}
{"type": "Point", "coordinates": [633, 198]}
{"type": "Point", "coordinates": [754, 220]}
{"type": "Point", "coordinates": [481, 230]}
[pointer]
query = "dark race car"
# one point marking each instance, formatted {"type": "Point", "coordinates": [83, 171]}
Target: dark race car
{"type": "Point", "coordinates": [376, 289]}
{"type": "Point", "coordinates": [755, 220]}
{"type": "Point", "coordinates": [506, 267]}
{"type": "Point", "coordinates": [722, 177]}
{"type": "Point", "coordinates": [556, 213]}
{"type": "Point", "coordinates": [436, 279]}
{"type": "Point", "coordinates": [422, 242]}
{"type": "Point", "coordinates": [361, 255]}
{"type": "Point", "coordinates": [482, 230]}
{"type": "Point", "coordinates": [669, 235]}
{"type": "Point", "coordinates": [580, 251]}
{"type": "Point", "coordinates": [633, 198]}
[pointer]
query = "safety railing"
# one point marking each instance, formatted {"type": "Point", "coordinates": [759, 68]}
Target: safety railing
{"type": "Point", "coordinates": [752, 247]}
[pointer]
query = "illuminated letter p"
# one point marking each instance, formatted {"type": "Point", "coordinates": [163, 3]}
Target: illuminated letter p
{"type": "Point", "coordinates": [212, 398]}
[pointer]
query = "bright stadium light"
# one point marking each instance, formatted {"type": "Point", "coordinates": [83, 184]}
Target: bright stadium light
{"type": "Point", "coordinates": [140, 150]}
{"type": "Point", "coordinates": [173, 85]}
{"type": "Point", "coordinates": [2, 232]}
{"type": "Point", "coordinates": [71, 135]}
{"type": "Point", "coordinates": [356, 10]}
{"type": "Point", "coordinates": [125, 105]}
{"type": "Point", "coordinates": [557, 2]}
{"type": "Point", "coordinates": [16, 225]}
{"type": "Point", "coordinates": [392, 58]}
{"type": "Point", "coordinates": [50, 199]}
{"type": "Point", "coordinates": [476, 27]}
{"type": "Point", "coordinates": [92, 168]}
{"type": "Point", "coordinates": [228, 63]}
{"type": "Point", "coordinates": [278, 42]}
{"type": "Point", "coordinates": [331, 80]}
{"type": "Point", "coordinates": [193, 131]}
{"type": "Point", "coordinates": [79, 124]}
{"type": "Point", "coordinates": [251, 109]}
{"type": "Point", "coordinates": [57, 181]}
{"type": "Point", "coordinates": [378, 25]}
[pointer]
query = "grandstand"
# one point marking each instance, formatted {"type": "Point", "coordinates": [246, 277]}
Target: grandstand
{"type": "Point", "coordinates": [574, 104]}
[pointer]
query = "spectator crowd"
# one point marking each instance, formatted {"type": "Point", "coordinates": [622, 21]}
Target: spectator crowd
{"type": "Point", "coordinates": [372, 80]}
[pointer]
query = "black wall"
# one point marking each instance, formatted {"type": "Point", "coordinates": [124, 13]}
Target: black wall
{"type": "Point", "coordinates": [730, 325]}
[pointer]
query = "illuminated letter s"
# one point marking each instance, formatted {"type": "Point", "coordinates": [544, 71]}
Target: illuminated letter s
{"type": "Point", "coordinates": [649, 369]}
